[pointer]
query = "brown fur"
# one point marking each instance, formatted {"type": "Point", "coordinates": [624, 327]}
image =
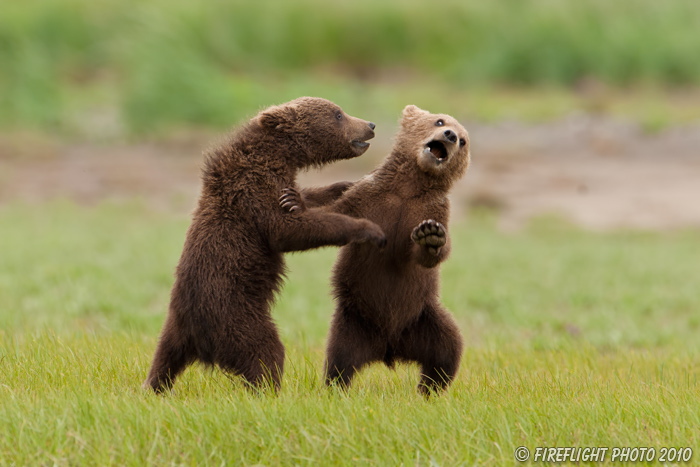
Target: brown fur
{"type": "Point", "coordinates": [387, 302]}
{"type": "Point", "coordinates": [232, 264]}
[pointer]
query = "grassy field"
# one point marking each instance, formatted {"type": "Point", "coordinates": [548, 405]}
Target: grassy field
{"type": "Point", "coordinates": [573, 339]}
{"type": "Point", "coordinates": [151, 64]}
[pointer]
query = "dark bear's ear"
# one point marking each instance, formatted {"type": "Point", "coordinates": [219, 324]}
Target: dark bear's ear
{"type": "Point", "coordinates": [411, 111]}
{"type": "Point", "coordinates": [278, 116]}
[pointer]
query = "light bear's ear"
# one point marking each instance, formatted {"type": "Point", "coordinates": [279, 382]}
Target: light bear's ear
{"type": "Point", "coordinates": [411, 111]}
{"type": "Point", "coordinates": [278, 116]}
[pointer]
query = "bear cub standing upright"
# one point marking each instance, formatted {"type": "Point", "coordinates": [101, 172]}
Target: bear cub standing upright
{"type": "Point", "coordinates": [387, 302]}
{"type": "Point", "coordinates": [231, 263]}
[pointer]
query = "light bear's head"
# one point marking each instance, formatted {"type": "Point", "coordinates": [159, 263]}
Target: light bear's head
{"type": "Point", "coordinates": [438, 142]}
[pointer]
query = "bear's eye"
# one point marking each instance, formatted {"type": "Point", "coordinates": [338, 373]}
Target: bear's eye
{"type": "Point", "coordinates": [462, 142]}
{"type": "Point", "coordinates": [339, 115]}
{"type": "Point", "coordinates": [440, 122]}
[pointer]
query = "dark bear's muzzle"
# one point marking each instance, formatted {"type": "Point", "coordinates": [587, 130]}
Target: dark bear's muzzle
{"type": "Point", "coordinates": [361, 131]}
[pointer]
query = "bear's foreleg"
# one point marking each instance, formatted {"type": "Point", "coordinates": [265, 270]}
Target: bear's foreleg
{"type": "Point", "coordinates": [434, 341]}
{"type": "Point", "coordinates": [314, 228]}
{"type": "Point", "coordinates": [325, 195]}
{"type": "Point", "coordinates": [312, 197]}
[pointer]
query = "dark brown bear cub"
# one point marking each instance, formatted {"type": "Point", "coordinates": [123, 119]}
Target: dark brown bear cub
{"type": "Point", "coordinates": [232, 264]}
{"type": "Point", "coordinates": [388, 305]}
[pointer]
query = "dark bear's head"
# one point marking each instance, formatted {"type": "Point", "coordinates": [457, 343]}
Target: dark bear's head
{"type": "Point", "coordinates": [320, 128]}
{"type": "Point", "coordinates": [438, 142]}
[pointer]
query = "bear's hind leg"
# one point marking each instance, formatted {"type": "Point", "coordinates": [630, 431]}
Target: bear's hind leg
{"type": "Point", "coordinates": [351, 345]}
{"type": "Point", "coordinates": [267, 368]}
{"type": "Point", "coordinates": [172, 355]}
{"type": "Point", "coordinates": [257, 356]}
{"type": "Point", "coordinates": [435, 342]}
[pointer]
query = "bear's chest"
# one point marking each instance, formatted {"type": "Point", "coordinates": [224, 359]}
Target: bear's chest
{"type": "Point", "coordinates": [398, 216]}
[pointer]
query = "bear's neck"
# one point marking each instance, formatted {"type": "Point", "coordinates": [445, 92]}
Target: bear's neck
{"type": "Point", "coordinates": [256, 150]}
{"type": "Point", "coordinates": [252, 159]}
{"type": "Point", "coordinates": [401, 172]}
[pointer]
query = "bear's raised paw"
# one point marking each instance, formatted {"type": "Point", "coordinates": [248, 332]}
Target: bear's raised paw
{"type": "Point", "coordinates": [291, 200]}
{"type": "Point", "coordinates": [430, 234]}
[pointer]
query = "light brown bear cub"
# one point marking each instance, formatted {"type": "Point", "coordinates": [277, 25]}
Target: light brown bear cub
{"type": "Point", "coordinates": [387, 302]}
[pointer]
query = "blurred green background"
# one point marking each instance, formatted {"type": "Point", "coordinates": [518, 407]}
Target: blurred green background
{"type": "Point", "coordinates": [115, 68]}
{"type": "Point", "coordinates": [575, 264]}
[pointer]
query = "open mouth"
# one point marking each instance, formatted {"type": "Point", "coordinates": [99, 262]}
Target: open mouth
{"type": "Point", "coordinates": [437, 149]}
{"type": "Point", "coordinates": [359, 147]}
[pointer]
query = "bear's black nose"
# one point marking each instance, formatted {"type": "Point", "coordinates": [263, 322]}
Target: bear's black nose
{"type": "Point", "coordinates": [372, 126]}
{"type": "Point", "coordinates": [451, 136]}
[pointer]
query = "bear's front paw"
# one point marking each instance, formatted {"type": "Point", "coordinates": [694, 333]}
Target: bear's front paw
{"type": "Point", "coordinates": [374, 234]}
{"type": "Point", "coordinates": [291, 200]}
{"type": "Point", "coordinates": [431, 235]}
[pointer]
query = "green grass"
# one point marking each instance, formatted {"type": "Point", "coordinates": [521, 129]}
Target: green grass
{"type": "Point", "coordinates": [166, 63]}
{"type": "Point", "coordinates": [573, 339]}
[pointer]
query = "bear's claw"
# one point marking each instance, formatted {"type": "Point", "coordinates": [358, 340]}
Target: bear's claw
{"type": "Point", "coordinates": [291, 200]}
{"type": "Point", "coordinates": [430, 234]}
